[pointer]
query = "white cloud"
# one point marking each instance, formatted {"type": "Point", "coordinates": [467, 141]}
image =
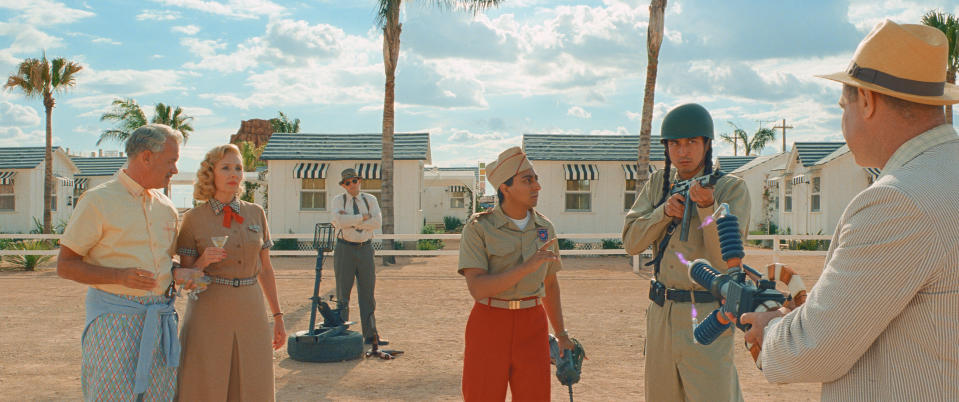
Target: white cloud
{"type": "Point", "coordinates": [107, 41]}
{"type": "Point", "coordinates": [45, 12]}
{"type": "Point", "coordinates": [579, 112]}
{"type": "Point", "coordinates": [618, 131]}
{"type": "Point", "coordinates": [186, 29]}
{"type": "Point", "coordinates": [15, 137]}
{"type": "Point", "coordinates": [27, 38]}
{"type": "Point", "coordinates": [12, 114]}
{"type": "Point", "coordinates": [158, 15]}
{"type": "Point", "coordinates": [241, 9]}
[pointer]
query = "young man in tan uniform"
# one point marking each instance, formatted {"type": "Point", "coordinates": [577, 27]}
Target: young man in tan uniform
{"type": "Point", "coordinates": [677, 368]}
{"type": "Point", "coordinates": [510, 258]}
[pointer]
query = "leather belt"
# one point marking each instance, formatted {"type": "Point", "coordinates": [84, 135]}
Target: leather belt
{"type": "Point", "coordinates": [659, 293]}
{"type": "Point", "coordinates": [353, 243]}
{"type": "Point", "coordinates": [235, 282]}
{"type": "Point", "coordinates": [510, 304]}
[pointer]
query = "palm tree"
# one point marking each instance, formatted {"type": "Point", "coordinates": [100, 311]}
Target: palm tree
{"type": "Point", "coordinates": [250, 154]}
{"type": "Point", "coordinates": [949, 25]}
{"type": "Point", "coordinates": [750, 145]}
{"type": "Point", "coordinates": [283, 124]}
{"type": "Point", "coordinates": [388, 18]}
{"type": "Point", "coordinates": [654, 39]}
{"type": "Point", "coordinates": [129, 116]}
{"type": "Point", "coordinates": [174, 118]}
{"type": "Point", "coordinates": [40, 78]}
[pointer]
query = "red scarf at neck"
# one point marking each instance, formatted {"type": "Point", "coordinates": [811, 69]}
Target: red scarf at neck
{"type": "Point", "coordinates": [230, 215]}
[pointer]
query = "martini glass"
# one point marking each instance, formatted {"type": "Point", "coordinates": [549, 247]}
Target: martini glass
{"type": "Point", "coordinates": [219, 241]}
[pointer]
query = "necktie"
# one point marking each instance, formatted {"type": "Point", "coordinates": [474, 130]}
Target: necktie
{"type": "Point", "coordinates": [229, 215]}
{"type": "Point", "coordinates": [356, 211]}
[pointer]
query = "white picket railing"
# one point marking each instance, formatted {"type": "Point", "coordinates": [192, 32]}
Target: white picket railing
{"type": "Point", "coordinates": [775, 251]}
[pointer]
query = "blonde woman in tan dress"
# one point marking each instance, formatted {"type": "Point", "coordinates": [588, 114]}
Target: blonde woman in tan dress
{"type": "Point", "coordinates": [227, 337]}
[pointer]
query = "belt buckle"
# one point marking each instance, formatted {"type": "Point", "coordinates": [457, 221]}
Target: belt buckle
{"type": "Point", "coordinates": [514, 304]}
{"type": "Point", "coordinates": [236, 282]}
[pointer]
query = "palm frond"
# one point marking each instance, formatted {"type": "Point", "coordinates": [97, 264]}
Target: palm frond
{"type": "Point", "coordinates": [761, 138]}
{"type": "Point", "coordinates": [118, 136]}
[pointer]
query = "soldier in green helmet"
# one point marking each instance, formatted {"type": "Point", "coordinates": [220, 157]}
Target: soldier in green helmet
{"type": "Point", "coordinates": [677, 368]}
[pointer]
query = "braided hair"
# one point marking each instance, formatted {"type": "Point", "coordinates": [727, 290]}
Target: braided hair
{"type": "Point", "coordinates": [708, 169]}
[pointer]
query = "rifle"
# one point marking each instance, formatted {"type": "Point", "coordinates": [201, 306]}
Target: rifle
{"type": "Point", "coordinates": [682, 187]}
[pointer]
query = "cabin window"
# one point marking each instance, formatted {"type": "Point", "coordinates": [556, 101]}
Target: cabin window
{"type": "Point", "coordinates": [313, 195]}
{"type": "Point", "coordinates": [7, 198]}
{"type": "Point", "coordinates": [578, 196]}
{"type": "Point", "coordinates": [629, 196]}
{"type": "Point", "coordinates": [815, 196]}
{"type": "Point", "coordinates": [788, 197]}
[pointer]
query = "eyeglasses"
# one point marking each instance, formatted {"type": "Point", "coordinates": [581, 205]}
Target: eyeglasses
{"type": "Point", "coordinates": [348, 181]}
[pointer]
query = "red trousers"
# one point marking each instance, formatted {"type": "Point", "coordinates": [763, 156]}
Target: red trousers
{"type": "Point", "coordinates": [506, 347]}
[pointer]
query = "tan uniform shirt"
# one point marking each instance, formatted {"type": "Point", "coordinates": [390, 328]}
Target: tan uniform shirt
{"type": "Point", "coordinates": [243, 246]}
{"type": "Point", "coordinates": [493, 243]}
{"type": "Point", "coordinates": [119, 224]}
{"type": "Point", "coordinates": [646, 224]}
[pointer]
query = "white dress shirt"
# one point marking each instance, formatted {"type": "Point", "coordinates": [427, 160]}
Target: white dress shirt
{"type": "Point", "coordinates": [352, 227]}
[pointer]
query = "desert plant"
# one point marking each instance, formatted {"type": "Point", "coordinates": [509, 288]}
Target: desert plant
{"type": "Point", "coordinates": [28, 262]}
{"type": "Point", "coordinates": [285, 244]}
{"type": "Point", "coordinates": [566, 244]}
{"type": "Point", "coordinates": [451, 223]}
{"type": "Point", "coordinates": [612, 244]}
{"type": "Point", "coordinates": [429, 244]}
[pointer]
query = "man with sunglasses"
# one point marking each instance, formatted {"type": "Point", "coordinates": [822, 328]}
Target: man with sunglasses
{"type": "Point", "coordinates": [356, 216]}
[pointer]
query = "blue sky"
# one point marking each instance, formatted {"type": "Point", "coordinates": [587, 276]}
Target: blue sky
{"type": "Point", "coordinates": [475, 83]}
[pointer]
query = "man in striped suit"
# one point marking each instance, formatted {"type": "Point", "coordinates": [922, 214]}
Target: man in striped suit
{"type": "Point", "coordinates": [882, 322]}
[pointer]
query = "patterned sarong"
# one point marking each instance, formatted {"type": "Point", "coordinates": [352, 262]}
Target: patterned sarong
{"type": "Point", "coordinates": [110, 350]}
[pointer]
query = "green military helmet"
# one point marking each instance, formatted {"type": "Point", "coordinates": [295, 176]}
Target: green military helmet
{"type": "Point", "coordinates": [687, 121]}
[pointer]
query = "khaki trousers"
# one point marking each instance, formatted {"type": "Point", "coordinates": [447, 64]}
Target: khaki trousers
{"type": "Point", "coordinates": [679, 369]}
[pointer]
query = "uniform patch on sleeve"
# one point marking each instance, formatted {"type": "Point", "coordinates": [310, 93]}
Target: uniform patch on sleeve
{"type": "Point", "coordinates": [541, 233]}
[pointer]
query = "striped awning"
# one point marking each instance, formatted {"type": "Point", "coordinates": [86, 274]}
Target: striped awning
{"type": "Point", "coordinates": [369, 171]}
{"type": "Point", "coordinates": [631, 170]}
{"type": "Point", "coordinates": [799, 179]}
{"type": "Point", "coordinates": [774, 180]}
{"type": "Point", "coordinates": [458, 189]}
{"type": "Point", "coordinates": [81, 183]}
{"type": "Point", "coordinates": [310, 170]}
{"type": "Point", "coordinates": [873, 172]}
{"type": "Point", "coordinates": [64, 181]}
{"type": "Point", "coordinates": [580, 171]}
{"type": "Point", "coordinates": [7, 177]}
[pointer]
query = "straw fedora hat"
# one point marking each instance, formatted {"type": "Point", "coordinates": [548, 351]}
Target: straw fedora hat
{"type": "Point", "coordinates": [903, 61]}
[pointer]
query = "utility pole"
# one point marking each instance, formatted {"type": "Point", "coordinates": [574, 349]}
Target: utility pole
{"type": "Point", "coordinates": [784, 127]}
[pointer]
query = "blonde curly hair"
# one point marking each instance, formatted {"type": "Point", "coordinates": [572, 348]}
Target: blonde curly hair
{"type": "Point", "coordinates": [204, 186]}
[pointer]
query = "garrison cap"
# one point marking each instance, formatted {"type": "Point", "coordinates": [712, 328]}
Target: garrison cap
{"type": "Point", "coordinates": [508, 164]}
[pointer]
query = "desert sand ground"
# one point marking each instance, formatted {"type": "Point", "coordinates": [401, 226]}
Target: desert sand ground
{"type": "Point", "coordinates": [422, 307]}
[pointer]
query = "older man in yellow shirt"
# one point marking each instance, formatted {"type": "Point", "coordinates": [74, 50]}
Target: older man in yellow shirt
{"type": "Point", "coordinates": [120, 241]}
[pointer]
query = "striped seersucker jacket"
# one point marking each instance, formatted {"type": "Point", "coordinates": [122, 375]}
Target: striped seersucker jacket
{"type": "Point", "coordinates": [882, 322]}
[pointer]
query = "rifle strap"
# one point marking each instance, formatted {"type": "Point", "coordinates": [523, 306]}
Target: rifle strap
{"type": "Point", "coordinates": [661, 250]}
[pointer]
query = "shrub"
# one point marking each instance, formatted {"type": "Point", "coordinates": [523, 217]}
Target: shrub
{"type": "Point", "coordinates": [429, 244]}
{"type": "Point", "coordinates": [566, 244]}
{"type": "Point", "coordinates": [612, 243]}
{"type": "Point", "coordinates": [452, 223]}
{"type": "Point", "coordinates": [28, 262]}
{"type": "Point", "coordinates": [285, 244]}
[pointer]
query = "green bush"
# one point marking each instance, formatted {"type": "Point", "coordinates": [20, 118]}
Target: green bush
{"type": "Point", "coordinates": [28, 262]}
{"type": "Point", "coordinates": [612, 244]}
{"type": "Point", "coordinates": [452, 223]}
{"type": "Point", "coordinates": [429, 244]}
{"type": "Point", "coordinates": [566, 244]}
{"type": "Point", "coordinates": [285, 244]}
